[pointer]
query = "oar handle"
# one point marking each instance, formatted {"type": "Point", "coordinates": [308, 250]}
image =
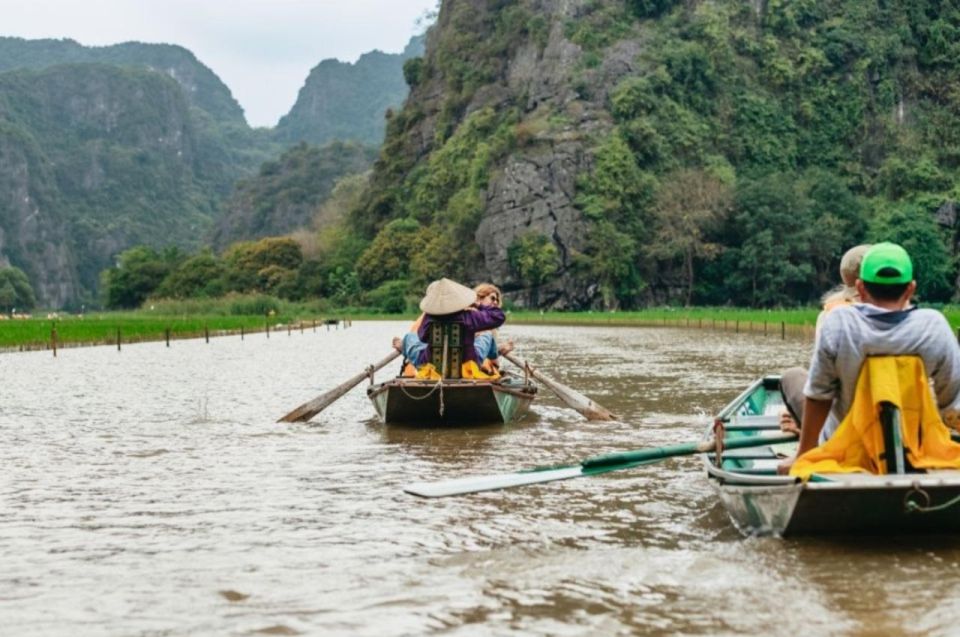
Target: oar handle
{"type": "Point", "coordinates": [310, 409]}
{"type": "Point", "coordinates": [690, 448]}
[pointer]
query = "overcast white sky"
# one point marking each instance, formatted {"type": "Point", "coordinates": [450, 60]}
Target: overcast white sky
{"type": "Point", "coordinates": [262, 49]}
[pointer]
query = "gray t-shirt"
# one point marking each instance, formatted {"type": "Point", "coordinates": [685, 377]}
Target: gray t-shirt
{"type": "Point", "coordinates": [850, 333]}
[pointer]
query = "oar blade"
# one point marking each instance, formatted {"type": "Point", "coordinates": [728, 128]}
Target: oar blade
{"type": "Point", "coordinates": [476, 484]}
{"type": "Point", "coordinates": [308, 410]}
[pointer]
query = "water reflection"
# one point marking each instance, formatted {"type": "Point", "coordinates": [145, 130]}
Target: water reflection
{"type": "Point", "coordinates": [152, 492]}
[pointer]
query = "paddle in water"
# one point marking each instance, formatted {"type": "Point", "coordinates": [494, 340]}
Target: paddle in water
{"type": "Point", "coordinates": [308, 410]}
{"type": "Point", "coordinates": [572, 398]}
{"type": "Point", "coordinates": [589, 467]}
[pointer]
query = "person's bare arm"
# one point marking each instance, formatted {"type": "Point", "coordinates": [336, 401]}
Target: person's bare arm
{"type": "Point", "coordinates": [815, 413]}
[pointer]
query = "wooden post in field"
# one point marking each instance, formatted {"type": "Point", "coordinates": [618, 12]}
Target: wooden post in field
{"type": "Point", "coordinates": [166, 335]}
{"type": "Point", "coordinates": [266, 322]}
{"type": "Point", "coordinates": [53, 339]}
{"type": "Point", "coordinates": [301, 327]}
{"type": "Point", "coordinates": [206, 332]}
{"type": "Point", "coordinates": [314, 326]}
{"type": "Point", "coordinates": [118, 339]}
{"type": "Point", "coordinates": [241, 332]}
{"type": "Point", "coordinates": [783, 330]}
{"type": "Point", "coordinates": [288, 328]}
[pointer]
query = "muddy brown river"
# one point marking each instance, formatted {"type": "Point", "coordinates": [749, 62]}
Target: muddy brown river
{"type": "Point", "coordinates": [150, 492]}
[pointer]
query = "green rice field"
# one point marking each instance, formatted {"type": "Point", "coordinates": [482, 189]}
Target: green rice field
{"type": "Point", "coordinates": [144, 325]}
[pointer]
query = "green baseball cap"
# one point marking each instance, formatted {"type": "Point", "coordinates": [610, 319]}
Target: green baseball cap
{"type": "Point", "coordinates": [886, 263]}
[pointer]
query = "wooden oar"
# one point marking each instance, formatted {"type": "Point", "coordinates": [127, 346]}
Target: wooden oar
{"type": "Point", "coordinates": [572, 398]}
{"type": "Point", "coordinates": [589, 467]}
{"type": "Point", "coordinates": [308, 410]}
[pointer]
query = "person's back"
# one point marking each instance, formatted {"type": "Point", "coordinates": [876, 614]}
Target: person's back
{"type": "Point", "coordinates": [851, 333]}
{"type": "Point", "coordinates": [884, 324]}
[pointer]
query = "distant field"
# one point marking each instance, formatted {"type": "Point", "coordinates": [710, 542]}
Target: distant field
{"type": "Point", "coordinates": [132, 326]}
{"type": "Point", "coordinates": [146, 326]}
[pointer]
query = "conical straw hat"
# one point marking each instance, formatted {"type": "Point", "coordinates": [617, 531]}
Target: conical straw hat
{"type": "Point", "coordinates": [446, 297]}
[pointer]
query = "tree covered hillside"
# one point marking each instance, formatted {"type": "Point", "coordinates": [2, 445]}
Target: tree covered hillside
{"type": "Point", "coordinates": [202, 87]}
{"type": "Point", "coordinates": [97, 158]}
{"type": "Point", "coordinates": [616, 153]}
{"type": "Point", "coordinates": [347, 102]}
{"type": "Point", "coordinates": [285, 194]}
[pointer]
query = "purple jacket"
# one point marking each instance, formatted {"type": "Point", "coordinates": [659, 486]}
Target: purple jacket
{"type": "Point", "coordinates": [485, 317]}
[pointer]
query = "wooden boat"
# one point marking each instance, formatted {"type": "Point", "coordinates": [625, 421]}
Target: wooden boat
{"type": "Point", "coordinates": [761, 502]}
{"type": "Point", "coordinates": [452, 402]}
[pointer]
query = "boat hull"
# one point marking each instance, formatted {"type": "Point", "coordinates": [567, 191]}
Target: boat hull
{"type": "Point", "coordinates": [759, 502]}
{"type": "Point", "coordinates": [452, 402]}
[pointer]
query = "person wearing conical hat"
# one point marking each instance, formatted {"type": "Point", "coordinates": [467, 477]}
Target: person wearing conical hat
{"type": "Point", "coordinates": [485, 343]}
{"type": "Point", "coordinates": [450, 301]}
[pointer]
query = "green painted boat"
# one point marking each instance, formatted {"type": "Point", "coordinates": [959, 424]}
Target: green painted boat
{"type": "Point", "coordinates": [760, 502]}
{"type": "Point", "coordinates": [452, 402]}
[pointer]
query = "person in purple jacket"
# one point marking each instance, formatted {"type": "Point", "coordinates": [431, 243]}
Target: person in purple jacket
{"type": "Point", "coordinates": [449, 301]}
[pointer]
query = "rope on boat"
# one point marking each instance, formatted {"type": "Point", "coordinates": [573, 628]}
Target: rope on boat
{"type": "Point", "coordinates": [439, 386]}
{"type": "Point", "coordinates": [911, 504]}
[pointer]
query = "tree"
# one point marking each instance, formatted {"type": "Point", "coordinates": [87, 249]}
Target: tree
{"type": "Point", "coordinates": [388, 257]}
{"type": "Point", "coordinates": [690, 206]}
{"type": "Point", "coordinates": [534, 258]}
{"type": "Point", "coordinates": [916, 230]}
{"type": "Point", "coordinates": [15, 290]}
{"type": "Point", "coordinates": [768, 259]}
{"type": "Point", "coordinates": [139, 271]}
{"type": "Point", "coordinates": [199, 276]}
{"type": "Point", "coordinates": [610, 259]}
{"type": "Point", "coordinates": [253, 266]}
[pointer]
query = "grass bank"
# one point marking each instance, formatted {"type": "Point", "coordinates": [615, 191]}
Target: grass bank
{"type": "Point", "coordinates": [195, 319]}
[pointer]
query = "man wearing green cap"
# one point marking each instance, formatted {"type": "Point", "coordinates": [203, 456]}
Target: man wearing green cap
{"type": "Point", "coordinates": [884, 323]}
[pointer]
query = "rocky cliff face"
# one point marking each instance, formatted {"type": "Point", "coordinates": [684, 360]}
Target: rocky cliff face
{"type": "Point", "coordinates": [546, 140]}
{"type": "Point", "coordinates": [347, 102]}
{"type": "Point", "coordinates": [96, 158]}
{"type": "Point", "coordinates": [33, 236]}
{"type": "Point", "coordinates": [201, 86]}
{"type": "Point", "coordinates": [517, 58]}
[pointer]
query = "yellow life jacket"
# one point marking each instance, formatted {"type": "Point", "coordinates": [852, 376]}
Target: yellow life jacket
{"type": "Point", "coordinates": [468, 370]}
{"type": "Point", "coordinates": [857, 444]}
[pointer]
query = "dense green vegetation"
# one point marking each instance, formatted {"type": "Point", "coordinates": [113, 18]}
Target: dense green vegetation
{"type": "Point", "coordinates": [344, 101]}
{"type": "Point", "coordinates": [15, 291]}
{"type": "Point", "coordinates": [204, 88]}
{"type": "Point", "coordinates": [286, 193]}
{"type": "Point", "coordinates": [753, 145]}
{"type": "Point", "coordinates": [828, 123]}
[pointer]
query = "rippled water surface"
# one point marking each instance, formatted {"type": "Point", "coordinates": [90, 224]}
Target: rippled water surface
{"type": "Point", "coordinates": [151, 492]}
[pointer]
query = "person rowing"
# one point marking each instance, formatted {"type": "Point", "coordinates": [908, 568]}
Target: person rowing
{"type": "Point", "coordinates": [451, 302]}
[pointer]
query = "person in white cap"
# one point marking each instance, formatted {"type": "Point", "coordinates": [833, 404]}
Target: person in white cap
{"type": "Point", "coordinates": [793, 380]}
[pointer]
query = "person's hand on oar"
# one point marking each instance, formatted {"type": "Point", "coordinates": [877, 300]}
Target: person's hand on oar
{"type": "Point", "coordinates": [570, 397]}
{"type": "Point", "coordinates": [308, 410]}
